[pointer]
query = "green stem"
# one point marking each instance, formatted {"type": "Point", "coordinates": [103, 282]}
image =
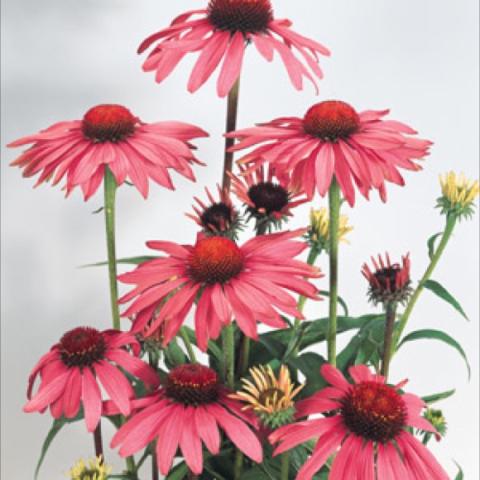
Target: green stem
{"type": "Point", "coordinates": [231, 125]}
{"type": "Point", "coordinates": [285, 466]}
{"type": "Point", "coordinates": [238, 466]}
{"type": "Point", "coordinates": [334, 218]}
{"type": "Point", "coordinates": [153, 363]}
{"type": "Point", "coordinates": [450, 226]}
{"type": "Point", "coordinates": [244, 356]}
{"type": "Point", "coordinates": [228, 339]}
{"type": "Point", "coordinates": [131, 467]}
{"type": "Point", "coordinates": [110, 187]}
{"type": "Point", "coordinates": [390, 316]}
{"type": "Point", "coordinates": [312, 258]}
{"type": "Point", "coordinates": [188, 345]}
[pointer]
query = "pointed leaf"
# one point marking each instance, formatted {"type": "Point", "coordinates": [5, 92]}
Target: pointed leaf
{"type": "Point", "coordinates": [179, 472]}
{"type": "Point", "coordinates": [436, 335]}
{"type": "Point", "coordinates": [431, 244]}
{"type": "Point", "coordinates": [57, 425]}
{"type": "Point", "coordinates": [125, 261]}
{"type": "Point", "coordinates": [436, 397]}
{"type": "Point", "coordinates": [442, 292]}
{"type": "Point", "coordinates": [460, 472]}
{"type": "Point", "coordinates": [341, 301]}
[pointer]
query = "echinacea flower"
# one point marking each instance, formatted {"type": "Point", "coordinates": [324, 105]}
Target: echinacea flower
{"type": "Point", "coordinates": [368, 423]}
{"type": "Point", "coordinates": [249, 282]}
{"type": "Point", "coordinates": [458, 195]}
{"type": "Point", "coordinates": [333, 141]}
{"type": "Point", "coordinates": [388, 282]}
{"type": "Point", "coordinates": [318, 232]}
{"type": "Point", "coordinates": [109, 136]}
{"type": "Point", "coordinates": [185, 413]}
{"type": "Point", "coordinates": [74, 369]}
{"type": "Point", "coordinates": [219, 217]}
{"type": "Point", "coordinates": [267, 196]}
{"type": "Point", "coordinates": [271, 398]}
{"type": "Point", "coordinates": [95, 469]}
{"type": "Point", "coordinates": [222, 32]}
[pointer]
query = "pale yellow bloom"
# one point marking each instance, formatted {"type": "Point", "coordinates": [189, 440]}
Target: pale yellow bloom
{"type": "Point", "coordinates": [320, 223]}
{"type": "Point", "coordinates": [94, 470]}
{"type": "Point", "coordinates": [266, 393]}
{"type": "Point", "coordinates": [459, 190]}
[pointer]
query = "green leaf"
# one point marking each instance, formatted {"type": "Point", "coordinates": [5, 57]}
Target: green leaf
{"type": "Point", "coordinates": [316, 331]}
{"type": "Point", "coordinates": [441, 291]}
{"type": "Point", "coordinates": [125, 261]}
{"type": "Point", "coordinates": [366, 336]}
{"type": "Point", "coordinates": [98, 210]}
{"type": "Point", "coordinates": [174, 355]}
{"type": "Point", "coordinates": [55, 428]}
{"type": "Point", "coordinates": [309, 364]}
{"type": "Point", "coordinates": [431, 244]}
{"type": "Point", "coordinates": [436, 335]}
{"type": "Point", "coordinates": [436, 397]}
{"type": "Point", "coordinates": [179, 472]}
{"type": "Point", "coordinates": [341, 301]}
{"type": "Point", "coordinates": [460, 472]}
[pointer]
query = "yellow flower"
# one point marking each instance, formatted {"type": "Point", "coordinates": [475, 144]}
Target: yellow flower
{"type": "Point", "coordinates": [458, 194]}
{"type": "Point", "coordinates": [320, 223]}
{"type": "Point", "coordinates": [95, 470]}
{"type": "Point", "coordinates": [271, 398]}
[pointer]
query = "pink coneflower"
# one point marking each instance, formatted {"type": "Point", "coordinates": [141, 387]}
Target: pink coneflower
{"type": "Point", "coordinates": [370, 426]}
{"type": "Point", "coordinates": [222, 32]}
{"type": "Point", "coordinates": [250, 282]}
{"type": "Point", "coordinates": [267, 196]}
{"type": "Point", "coordinates": [217, 217]}
{"type": "Point", "coordinates": [72, 371]}
{"type": "Point", "coordinates": [388, 282]}
{"type": "Point", "coordinates": [186, 413]}
{"type": "Point", "coordinates": [334, 141]}
{"type": "Point", "coordinates": [109, 135]}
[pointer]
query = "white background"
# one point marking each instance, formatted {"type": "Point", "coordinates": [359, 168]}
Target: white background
{"type": "Point", "coordinates": [417, 57]}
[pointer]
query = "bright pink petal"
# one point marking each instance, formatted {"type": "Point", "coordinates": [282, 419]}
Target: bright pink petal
{"type": "Point", "coordinates": [326, 445]}
{"type": "Point", "coordinates": [72, 394]}
{"type": "Point", "coordinates": [135, 366]}
{"type": "Point", "coordinates": [232, 64]}
{"type": "Point", "coordinates": [208, 60]}
{"type": "Point", "coordinates": [207, 429]}
{"type": "Point", "coordinates": [242, 437]}
{"type": "Point", "coordinates": [190, 443]}
{"type": "Point", "coordinates": [169, 438]}
{"type": "Point", "coordinates": [116, 385]}
{"type": "Point", "coordinates": [91, 399]}
{"type": "Point", "coordinates": [334, 377]}
{"type": "Point", "coordinates": [47, 394]}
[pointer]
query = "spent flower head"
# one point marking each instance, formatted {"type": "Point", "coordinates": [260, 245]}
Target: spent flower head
{"type": "Point", "coordinates": [388, 282]}
{"type": "Point", "coordinates": [95, 469]}
{"type": "Point", "coordinates": [458, 195]}
{"type": "Point", "coordinates": [269, 396]}
{"type": "Point", "coordinates": [318, 232]}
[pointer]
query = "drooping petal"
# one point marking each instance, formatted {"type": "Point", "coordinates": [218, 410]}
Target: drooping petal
{"type": "Point", "coordinates": [91, 399]}
{"type": "Point", "coordinates": [243, 438]}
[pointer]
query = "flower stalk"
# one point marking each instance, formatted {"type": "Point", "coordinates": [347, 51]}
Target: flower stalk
{"type": "Point", "coordinates": [97, 439]}
{"type": "Point", "coordinates": [390, 316]}
{"type": "Point", "coordinates": [285, 466]}
{"type": "Point", "coordinates": [231, 125]}
{"type": "Point", "coordinates": [110, 188]}
{"type": "Point", "coordinates": [450, 226]}
{"type": "Point", "coordinates": [334, 202]}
